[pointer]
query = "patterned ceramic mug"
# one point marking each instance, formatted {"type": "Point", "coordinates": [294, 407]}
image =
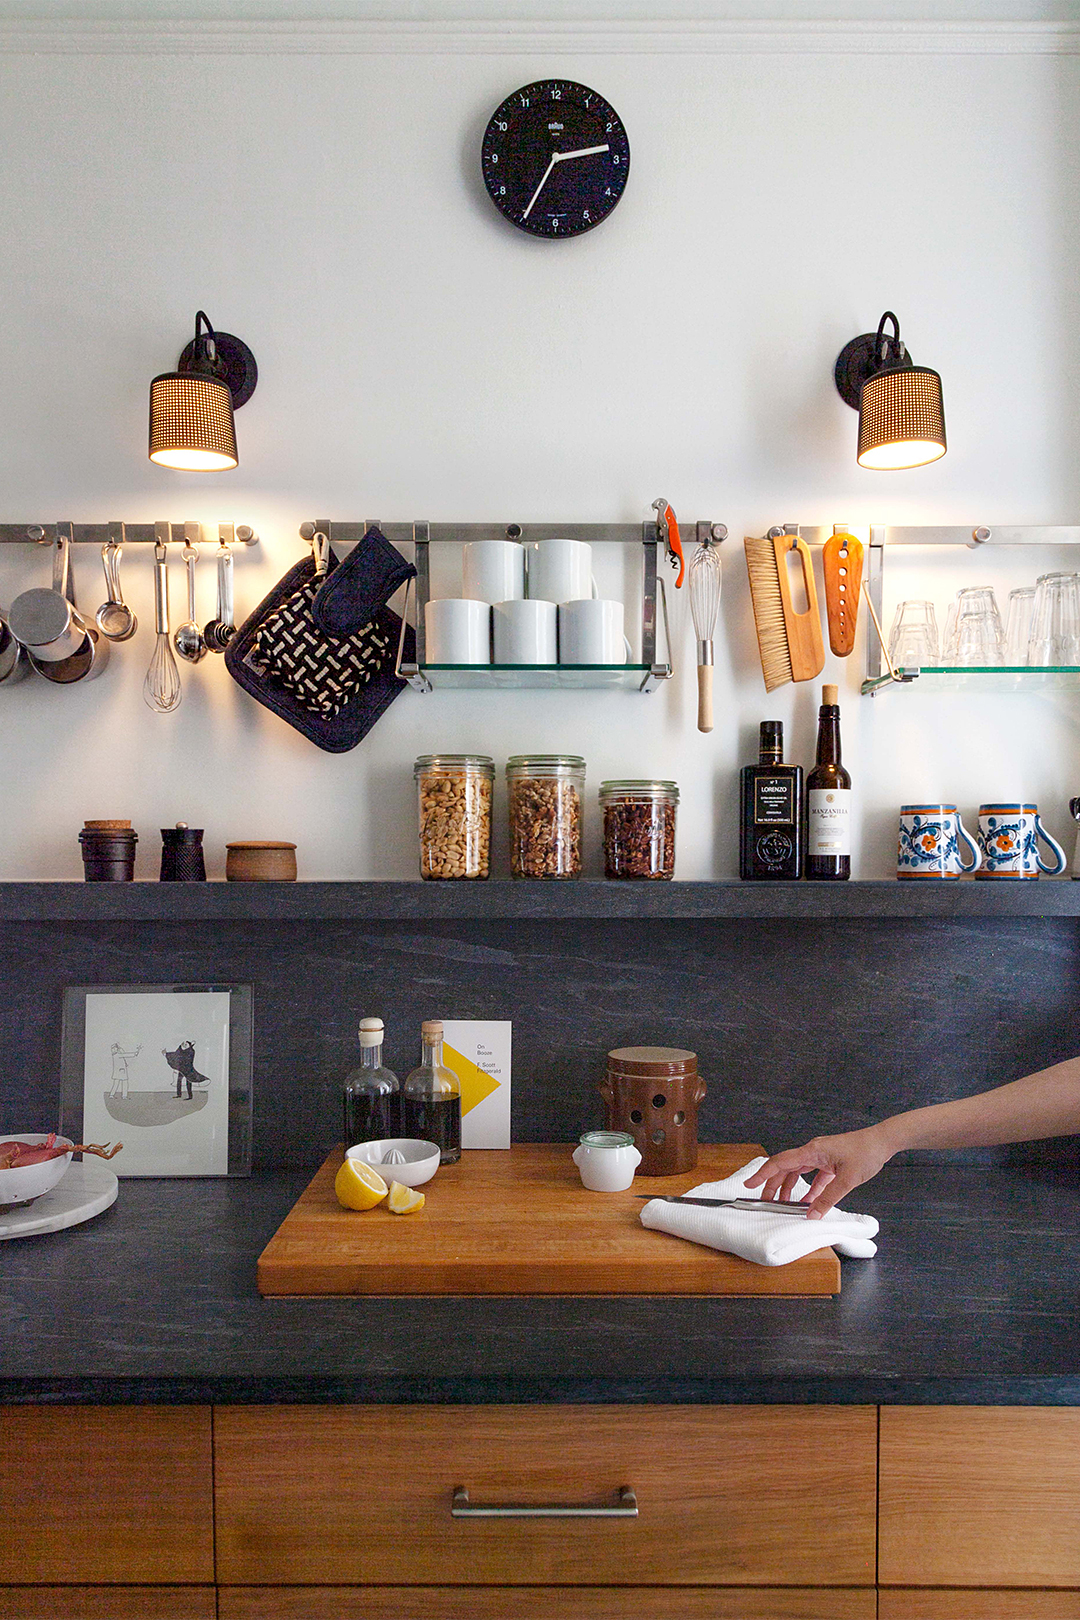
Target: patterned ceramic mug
{"type": "Point", "coordinates": [1008, 835]}
{"type": "Point", "coordinates": [932, 842]}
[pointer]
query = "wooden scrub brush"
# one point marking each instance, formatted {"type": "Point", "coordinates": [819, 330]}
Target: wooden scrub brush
{"type": "Point", "coordinates": [789, 643]}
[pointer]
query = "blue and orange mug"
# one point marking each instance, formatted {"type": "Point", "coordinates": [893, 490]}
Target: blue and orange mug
{"type": "Point", "coordinates": [932, 843]}
{"type": "Point", "coordinates": [1009, 838]}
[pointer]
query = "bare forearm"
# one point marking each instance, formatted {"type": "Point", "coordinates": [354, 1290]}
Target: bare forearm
{"type": "Point", "coordinates": [1039, 1105]}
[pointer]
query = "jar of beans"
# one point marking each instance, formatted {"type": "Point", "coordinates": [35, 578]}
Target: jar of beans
{"type": "Point", "coordinates": [639, 829]}
{"type": "Point", "coordinates": [454, 795]}
{"type": "Point", "coordinates": [545, 800]}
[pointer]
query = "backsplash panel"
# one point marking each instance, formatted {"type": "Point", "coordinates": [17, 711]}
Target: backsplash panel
{"type": "Point", "coordinates": [798, 1029]}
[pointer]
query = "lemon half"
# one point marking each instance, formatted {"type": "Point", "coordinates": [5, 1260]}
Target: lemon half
{"type": "Point", "coordinates": [358, 1186]}
{"type": "Point", "coordinates": [404, 1200]}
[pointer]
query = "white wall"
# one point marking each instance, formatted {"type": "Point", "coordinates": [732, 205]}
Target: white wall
{"type": "Point", "coordinates": [418, 358]}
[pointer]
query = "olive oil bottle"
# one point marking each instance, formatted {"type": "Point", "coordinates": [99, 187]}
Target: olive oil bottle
{"type": "Point", "coordinates": [770, 819]}
{"type": "Point", "coordinates": [432, 1097]}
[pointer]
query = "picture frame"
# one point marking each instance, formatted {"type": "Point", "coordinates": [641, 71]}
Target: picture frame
{"type": "Point", "coordinates": [164, 1068]}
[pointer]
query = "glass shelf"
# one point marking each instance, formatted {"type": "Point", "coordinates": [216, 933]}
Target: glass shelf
{"type": "Point", "coordinates": [978, 678]}
{"type": "Point", "coordinates": [558, 677]}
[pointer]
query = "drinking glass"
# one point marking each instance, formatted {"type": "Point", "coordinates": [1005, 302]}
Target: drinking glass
{"type": "Point", "coordinates": [972, 599]}
{"type": "Point", "coordinates": [913, 640]}
{"type": "Point", "coordinates": [978, 634]}
{"type": "Point", "coordinates": [1018, 624]}
{"type": "Point", "coordinates": [1055, 621]}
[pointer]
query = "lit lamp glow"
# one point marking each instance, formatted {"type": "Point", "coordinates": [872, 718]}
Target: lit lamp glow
{"type": "Point", "coordinates": [900, 405]}
{"type": "Point", "coordinates": [191, 408]}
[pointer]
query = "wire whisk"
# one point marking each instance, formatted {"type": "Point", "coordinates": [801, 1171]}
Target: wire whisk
{"type": "Point", "coordinates": [704, 577]}
{"type": "Point", "coordinates": [162, 690]}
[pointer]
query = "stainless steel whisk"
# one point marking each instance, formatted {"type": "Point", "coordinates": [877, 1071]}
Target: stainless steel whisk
{"type": "Point", "coordinates": [162, 690]}
{"type": "Point", "coordinates": [704, 576]}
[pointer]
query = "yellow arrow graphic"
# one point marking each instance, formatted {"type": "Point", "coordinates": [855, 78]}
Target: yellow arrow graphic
{"type": "Point", "coordinates": [475, 1084]}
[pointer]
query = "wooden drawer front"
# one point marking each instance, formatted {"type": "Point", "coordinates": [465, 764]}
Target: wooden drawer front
{"type": "Point", "coordinates": [541, 1603]}
{"type": "Point", "coordinates": [968, 1604]}
{"type": "Point", "coordinates": [108, 1603]}
{"type": "Point", "coordinates": [107, 1493]}
{"type": "Point", "coordinates": [980, 1496]}
{"type": "Point", "coordinates": [746, 1496]}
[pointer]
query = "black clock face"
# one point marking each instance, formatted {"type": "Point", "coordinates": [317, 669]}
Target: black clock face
{"type": "Point", "coordinates": [555, 158]}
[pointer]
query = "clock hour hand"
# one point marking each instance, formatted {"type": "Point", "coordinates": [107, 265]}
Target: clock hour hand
{"type": "Point", "coordinates": [561, 157]}
{"type": "Point", "coordinates": [582, 151]}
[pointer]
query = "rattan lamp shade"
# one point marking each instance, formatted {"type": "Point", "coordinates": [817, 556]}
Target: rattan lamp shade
{"type": "Point", "coordinates": [901, 418]}
{"type": "Point", "coordinates": [191, 423]}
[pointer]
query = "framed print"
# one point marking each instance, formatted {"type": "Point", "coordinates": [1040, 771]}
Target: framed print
{"type": "Point", "coordinates": [163, 1068]}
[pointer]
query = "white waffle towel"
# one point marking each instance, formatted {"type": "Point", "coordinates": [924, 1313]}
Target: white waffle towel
{"type": "Point", "coordinates": [768, 1240]}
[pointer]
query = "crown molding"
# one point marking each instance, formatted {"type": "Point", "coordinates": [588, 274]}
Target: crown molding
{"type": "Point", "coordinates": [72, 37]}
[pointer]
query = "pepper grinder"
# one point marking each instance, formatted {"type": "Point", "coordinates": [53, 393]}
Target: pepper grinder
{"type": "Point", "coordinates": [182, 854]}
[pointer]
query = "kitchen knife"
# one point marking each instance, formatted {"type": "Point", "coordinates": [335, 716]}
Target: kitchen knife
{"type": "Point", "coordinates": [758, 1205]}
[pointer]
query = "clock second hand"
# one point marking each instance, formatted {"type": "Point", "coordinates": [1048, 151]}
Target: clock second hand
{"type": "Point", "coordinates": [562, 157]}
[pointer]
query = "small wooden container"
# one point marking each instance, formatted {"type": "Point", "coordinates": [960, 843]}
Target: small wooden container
{"type": "Point", "coordinates": [260, 861]}
{"type": "Point", "coordinates": [653, 1092]}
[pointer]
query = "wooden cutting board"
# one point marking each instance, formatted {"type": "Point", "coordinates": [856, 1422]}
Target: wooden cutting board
{"type": "Point", "coordinates": [518, 1222]}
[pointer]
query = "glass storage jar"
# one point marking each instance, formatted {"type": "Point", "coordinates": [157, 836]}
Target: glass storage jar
{"type": "Point", "coordinates": [639, 829]}
{"type": "Point", "coordinates": [454, 801]}
{"type": "Point", "coordinates": [545, 793]}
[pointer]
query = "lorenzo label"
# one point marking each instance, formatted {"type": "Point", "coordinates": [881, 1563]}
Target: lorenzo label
{"type": "Point", "coordinates": [829, 829]}
{"type": "Point", "coordinates": [774, 800]}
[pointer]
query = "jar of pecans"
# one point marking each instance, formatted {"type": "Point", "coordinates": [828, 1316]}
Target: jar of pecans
{"type": "Point", "coordinates": [545, 800]}
{"type": "Point", "coordinates": [454, 794]}
{"type": "Point", "coordinates": [639, 829]}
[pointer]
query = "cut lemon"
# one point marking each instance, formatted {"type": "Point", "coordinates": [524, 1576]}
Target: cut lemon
{"type": "Point", "coordinates": [358, 1186]}
{"type": "Point", "coordinates": [404, 1200]}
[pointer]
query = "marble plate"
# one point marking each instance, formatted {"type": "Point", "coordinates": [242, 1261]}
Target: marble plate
{"type": "Point", "coordinates": [88, 1187]}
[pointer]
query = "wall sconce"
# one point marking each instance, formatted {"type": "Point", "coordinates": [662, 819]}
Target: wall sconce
{"type": "Point", "coordinates": [191, 408]}
{"type": "Point", "coordinates": [901, 412]}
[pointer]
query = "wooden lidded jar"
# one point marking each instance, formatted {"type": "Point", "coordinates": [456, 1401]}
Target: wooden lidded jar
{"type": "Point", "coordinates": [653, 1092]}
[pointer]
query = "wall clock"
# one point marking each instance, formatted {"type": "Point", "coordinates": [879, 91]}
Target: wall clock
{"type": "Point", "coordinates": [555, 158]}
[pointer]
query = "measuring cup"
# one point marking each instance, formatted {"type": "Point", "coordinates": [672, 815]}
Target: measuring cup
{"type": "Point", "coordinates": [59, 643]}
{"type": "Point", "coordinates": [114, 618]}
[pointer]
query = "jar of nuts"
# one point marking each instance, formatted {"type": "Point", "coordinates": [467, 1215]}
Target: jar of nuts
{"type": "Point", "coordinates": [545, 798]}
{"type": "Point", "coordinates": [639, 829]}
{"type": "Point", "coordinates": [454, 793]}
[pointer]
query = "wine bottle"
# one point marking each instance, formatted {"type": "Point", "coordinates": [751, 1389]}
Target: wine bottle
{"type": "Point", "coordinates": [770, 820]}
{"type": "Point", "coordinates": [828, 799]}
{"type": "Point", "coordinates": [432, 1098]}
{"type": "Point", "coordinates": [371, 1096]}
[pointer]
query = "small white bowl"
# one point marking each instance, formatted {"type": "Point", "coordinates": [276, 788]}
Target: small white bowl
{"type": "Point", "coordinates": [421, 1159]}
{"type": "Point", "coordinates": [22, 1186]}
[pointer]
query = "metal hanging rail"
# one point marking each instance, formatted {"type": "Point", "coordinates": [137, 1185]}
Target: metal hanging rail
{"type": "Point", "coordinates": [652, 536]}
{"type": "Point", "coordinates": [121, 534]}
{"type": "Point", "coordinates": [882, 538]}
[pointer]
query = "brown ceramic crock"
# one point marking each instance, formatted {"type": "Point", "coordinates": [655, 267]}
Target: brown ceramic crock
{"type": "Point", "coordinates": [653, 1092]}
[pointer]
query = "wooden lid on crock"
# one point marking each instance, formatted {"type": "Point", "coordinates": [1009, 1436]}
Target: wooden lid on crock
{"type": "Point", "coordinates": [260, 843]}
{"type": "Point", "coordinates": [107, 826]}
{"type": "Point", "coordinates": [652, 1062]}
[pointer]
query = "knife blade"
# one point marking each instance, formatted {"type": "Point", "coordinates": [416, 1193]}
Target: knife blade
{"type": "Point", "coordinates": [759, 1206]}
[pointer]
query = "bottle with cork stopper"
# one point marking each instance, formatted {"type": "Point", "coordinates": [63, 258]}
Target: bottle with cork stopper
{"type": "Point", "coordinates": [432, 1097]}
{"type": "Point", "coordinates": [828, 799]}
{"type": "Point", "coordinates": [371, 1095]}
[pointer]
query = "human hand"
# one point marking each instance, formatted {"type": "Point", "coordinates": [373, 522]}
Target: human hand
{"type": "Point", "coordinates": [841, 1163]}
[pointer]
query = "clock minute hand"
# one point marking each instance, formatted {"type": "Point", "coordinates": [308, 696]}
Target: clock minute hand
{"type": "Point", "coordinates": [543, 183]}
{"type": "Point", "coordinates": [562, 157]}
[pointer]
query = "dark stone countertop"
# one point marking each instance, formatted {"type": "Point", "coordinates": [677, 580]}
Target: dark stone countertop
{"type": "Point", "coordinates": [974, 1298]}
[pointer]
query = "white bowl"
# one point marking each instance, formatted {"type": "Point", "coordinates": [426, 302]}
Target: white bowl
{"type": "Point", "coordinates": [21, 1186]}
{"type": "Point", "coordinates": [421, 1159]}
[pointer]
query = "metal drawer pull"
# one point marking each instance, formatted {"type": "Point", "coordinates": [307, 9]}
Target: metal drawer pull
{"type": "Point", "coordinates": [625, 1507]}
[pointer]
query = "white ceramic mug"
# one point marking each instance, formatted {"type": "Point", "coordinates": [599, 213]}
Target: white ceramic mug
{"type": "Point", "coordinates": [560, 571]}
{"type": "Point", "coordinates": [494, 570]}
{"type": "Point", "coordinates": [457, 630]}
{"type": "Point", "coordinates": [606, 1160]}
{"type": "Point", "coordinates": [591, 632]}
{"type": "Point", "coordinates": [525, 632]}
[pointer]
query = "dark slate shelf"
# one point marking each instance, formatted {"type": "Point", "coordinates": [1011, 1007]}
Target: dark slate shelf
{"type": "Point", "coordinates": [503, 900]}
